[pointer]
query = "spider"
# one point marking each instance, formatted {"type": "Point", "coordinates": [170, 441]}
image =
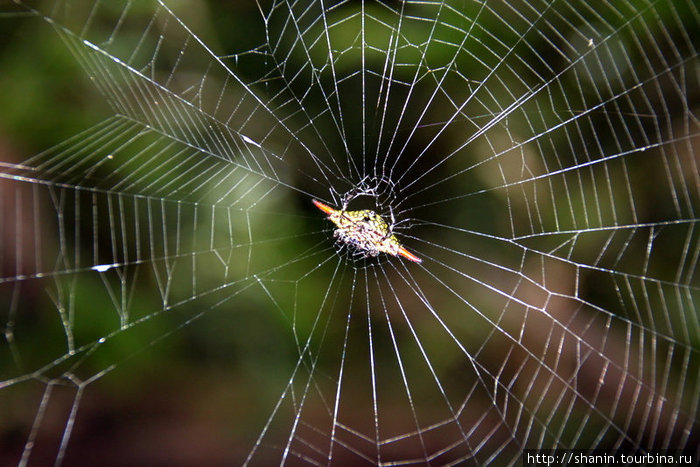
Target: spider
{"type": "Point", "coordinates": [366, 231]}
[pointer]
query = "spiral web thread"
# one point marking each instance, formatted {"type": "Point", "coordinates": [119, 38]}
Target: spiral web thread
{"type": "Point", "coordinates": [542, 158]}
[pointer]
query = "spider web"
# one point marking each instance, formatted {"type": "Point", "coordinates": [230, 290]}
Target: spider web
{"type": "Point", "coordinates": [539, 157]}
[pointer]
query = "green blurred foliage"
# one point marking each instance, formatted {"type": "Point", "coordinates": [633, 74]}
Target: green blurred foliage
{"type": "Point", "coordinates": [238, 345]}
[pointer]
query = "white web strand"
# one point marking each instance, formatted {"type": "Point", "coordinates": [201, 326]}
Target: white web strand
{"type": "Point", "coordinates": [540, 157]}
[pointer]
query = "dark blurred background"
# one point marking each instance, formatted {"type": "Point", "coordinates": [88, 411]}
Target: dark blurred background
{"type": "Point", "coordinates": [196, 383]}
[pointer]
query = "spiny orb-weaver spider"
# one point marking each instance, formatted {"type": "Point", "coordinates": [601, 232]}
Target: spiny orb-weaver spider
{"type": "Point", "coordinates": [366, 231]}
